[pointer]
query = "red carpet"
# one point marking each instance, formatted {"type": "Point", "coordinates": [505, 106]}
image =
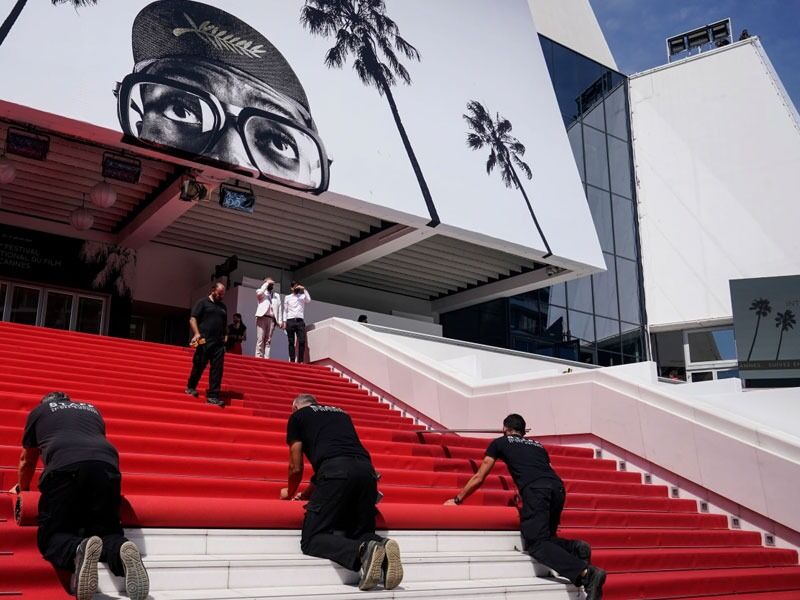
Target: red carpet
{"type": "Point", "coordinates": [177, 452]}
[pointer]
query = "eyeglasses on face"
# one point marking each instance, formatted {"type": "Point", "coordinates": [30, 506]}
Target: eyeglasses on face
{"type": "Point", "coordinates": [158, 110]}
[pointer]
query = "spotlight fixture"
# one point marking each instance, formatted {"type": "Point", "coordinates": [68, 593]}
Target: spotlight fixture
{"type": "Point", "coordinates": [81, 218]}
{"type": "Point", "coordinates": [27, 144]}
{"type": "Point", "coordinates": [718, 34]}
{"type": "Point", "coordinates": [237, 197]}
{"type": "Point", "coordinates": [121, 168]}
{"type": "Point", "coordinates": [192, 190]}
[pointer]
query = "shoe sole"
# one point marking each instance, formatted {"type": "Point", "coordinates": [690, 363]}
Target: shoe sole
{"type": "Point", "coordinates": [86, 585]}
{"type": "Point", "coordinates": [137, 582]}
{"type": "Point", "coordinates": [373, 574]}
{"type": "Point", "coordinates": [597, 587]}
{"type": "Point", "coordinates": [394, 570]}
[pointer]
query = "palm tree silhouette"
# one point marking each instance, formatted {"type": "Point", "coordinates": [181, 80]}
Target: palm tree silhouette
{"type": "Point", "coordinates": [505, 151]}
{"type": "Point", "coordinates": [20, 4]}
{"type": "Point", "coordinates": [762, 308]}
{"type": "Point", "coordinates": [362, 29]}
{"type": "Point", "coordinates": [784, 321]}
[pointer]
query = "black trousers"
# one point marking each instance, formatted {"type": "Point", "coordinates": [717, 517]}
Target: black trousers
{"type": "Point", "coordinates": [539, 519]}
{"type": "Point", "coordinates": [212, 351]}
{"type": "Point", "coordinates": [79, 501]}
{"type": "Point", "coordinates": [296, 328]}
{"type": "Point", "coordinates": [340, 514]}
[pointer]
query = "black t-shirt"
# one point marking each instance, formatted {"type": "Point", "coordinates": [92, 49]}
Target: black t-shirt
{"type": "Point", "coordinates": [67, 433]}
{"type": "Point", "coordinates": [326, 432]}
{"type": "Point", "coordinates": [527, 461]}
{"type": "Point", "coordinates": [212, 318]}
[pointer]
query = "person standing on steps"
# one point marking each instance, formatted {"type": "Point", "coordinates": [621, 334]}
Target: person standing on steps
{"type": "Point", "coordinates": [543, 496]}
{"type": "Point", "coordinates": [342, 494]}
{"type": "Point", "coordinates": [237, 333]}
{"type": "Point", "coordinates": [79, 521]}
{"type": "Point", "coordinates": [209, 321]}
{"type": "Point", "coordinates": [269, 315]}
{"type": "Point", "coordinates": [294, 306]}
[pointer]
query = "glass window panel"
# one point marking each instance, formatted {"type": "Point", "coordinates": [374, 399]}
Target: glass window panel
{"type": "Point", "coordinates": [571, 74]}
{"type": "Point", "coordinates": [617, 114]}
{"type": "Point", "coordinates": [629, 305]}
{"type": "Point", "coordinates": [605, 290]}
{"type": "Point", "coordinates": [58, 310]}
{"type": "Point", "coordinates": [90, 315]}
{"type": "Point", "coordinates": [556, 323]}
{"type": "Point", "coordinates": [555, 294]}
{"type": "Point", "coordinates": [596, 117]}
{"type": "Point", "coordinates": [702, 376]}
{"type": "Point", "coordinates": [607, 334]}
{"type": "Point", "coordinates": [576, 141]}
{"type": "Point", "coordinates": [600, 205]}
{"type": "Point", "coordinates": [632, 341]}
{"type": "Point", "coordinates": [718, 344]}
{"type": "Point", "coordinates": [619, 159]}
{"type": "Point", "coordinates": [581, 326]}
{"type": "Point", "coordinates": [669, 350]}
{"type": "Point", "coordinates": [728, 374]}
{"type": "Point", "coordinates": [594, 144]}
{"type": "Point", "coordinates": [3, 293]}
{"type": "Point", "coordinates": [608, 359]}
{"type": "Point", "coordinates": [579, 294]}
{"type": "Point", "coordinates": [24, 305]}
{"type": "Point", "coordinates": [624, 227]}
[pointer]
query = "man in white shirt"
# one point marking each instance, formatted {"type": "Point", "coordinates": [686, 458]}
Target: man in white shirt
{"type": "Point", "coordinates": [268, 315]}
{"type": "Point", "coordinates": [295, 308]}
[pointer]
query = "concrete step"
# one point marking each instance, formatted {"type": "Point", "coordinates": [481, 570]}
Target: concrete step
{"type": "Point", "coordinates": [206, 564]}
{"type": "Point", "coordinates": [159, 542]}
{"type": "Point", "coordinates": [487, 589]}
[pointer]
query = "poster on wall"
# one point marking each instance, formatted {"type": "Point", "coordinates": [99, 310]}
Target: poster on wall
{"type": "Point", "coordinates": [439, 113]}
{"type": "Point", "coordinates": [765, 314]}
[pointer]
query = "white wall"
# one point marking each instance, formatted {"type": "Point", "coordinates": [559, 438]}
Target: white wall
{"type": "Point", "coordinates": [717, 151]}
{"type": "Point", "coordinates": [572, 23]}
{"type": "Point", "coordinates": [171, 276]}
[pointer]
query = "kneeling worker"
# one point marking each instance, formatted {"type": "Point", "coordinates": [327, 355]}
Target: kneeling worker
{"type": "Point", "coordinates": [80, 495]}
{"type": "Point", "coordinates": [543, 497]}
{"type": "Point", "coordinates": [342, 494]}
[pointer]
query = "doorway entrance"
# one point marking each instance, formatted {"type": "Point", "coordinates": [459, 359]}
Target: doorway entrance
{"type": "Point", "coordinates": [58, 308]}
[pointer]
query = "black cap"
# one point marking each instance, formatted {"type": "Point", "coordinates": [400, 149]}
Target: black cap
{"type": "Point", "coordinates": [183, 28]}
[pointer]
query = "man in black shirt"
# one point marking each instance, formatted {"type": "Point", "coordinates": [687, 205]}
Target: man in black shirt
{"type": "Point", "coordinates": [543, 496]}
{"type": "Point", "coordinates": [80, 495]}
{"type": "Point", "coordinates": [342, 494]}
{"type": "Point", "coordinates": [209, 321]}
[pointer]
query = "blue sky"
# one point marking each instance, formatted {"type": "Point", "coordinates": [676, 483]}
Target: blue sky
{"type": "Point", "coordinates": [636, 30]}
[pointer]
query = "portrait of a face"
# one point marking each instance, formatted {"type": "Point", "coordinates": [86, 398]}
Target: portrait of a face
{"type": "Point", "coordinates": [208, 85]}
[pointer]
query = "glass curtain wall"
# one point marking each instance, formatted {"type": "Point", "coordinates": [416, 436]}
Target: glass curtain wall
{"type": "Point", "coordinates": [597, 319]}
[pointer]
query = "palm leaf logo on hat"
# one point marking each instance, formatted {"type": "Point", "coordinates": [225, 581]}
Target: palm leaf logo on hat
{"type": "Point", "coordinates": [220, 38]}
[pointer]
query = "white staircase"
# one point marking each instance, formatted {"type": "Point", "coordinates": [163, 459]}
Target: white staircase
{"type": "Point", "coordinates": [206, 564]}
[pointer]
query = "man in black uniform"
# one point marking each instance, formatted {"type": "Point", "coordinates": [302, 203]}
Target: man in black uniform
{"type": "Point", "coordinates": [209, 321]}
{"type": "Point", "coordinates": [80, 495]}
{"type": "Point", "coordinates": [543, 496]}
{"type": "Point", "coordinates": [342, 494]}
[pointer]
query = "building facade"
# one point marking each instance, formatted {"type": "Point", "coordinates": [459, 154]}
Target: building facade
{"type": "Point", "coordinates": [598, 319]}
